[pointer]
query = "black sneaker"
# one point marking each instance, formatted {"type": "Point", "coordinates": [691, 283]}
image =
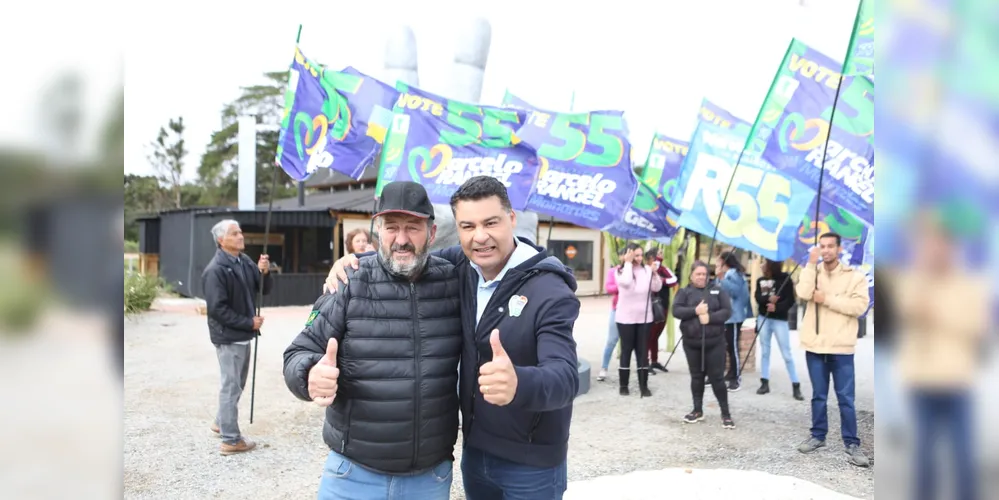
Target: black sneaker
{"type": "Point", "coordinates": [811, 444]}
{"type": "Point", "coordinates": [727, 422]}
{"type": "Point", "coordinates": [733, 386]}
{"type": "Point", "coordinates": [857, 457]}
{"type": "Point", "coordinates": [693, 417]}
{"type": "Point", "coordinates": [658, 366]}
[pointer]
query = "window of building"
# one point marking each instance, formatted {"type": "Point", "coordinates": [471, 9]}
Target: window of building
{"type": "Point", "coordinates": [577, 255]}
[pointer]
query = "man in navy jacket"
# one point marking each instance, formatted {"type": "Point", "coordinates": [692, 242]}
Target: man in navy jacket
{"type": "Point", "coordinates": [519, 370]}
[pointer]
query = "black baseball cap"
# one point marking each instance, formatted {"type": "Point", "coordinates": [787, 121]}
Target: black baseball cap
{"type": "Point", "coordinates": [405, 197]}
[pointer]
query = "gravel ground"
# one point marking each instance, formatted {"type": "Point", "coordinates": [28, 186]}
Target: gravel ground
{"type": "Point", "coordinates": [171, 379]}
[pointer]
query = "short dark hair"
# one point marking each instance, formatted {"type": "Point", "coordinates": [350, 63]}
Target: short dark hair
{"type": "Point", "coordinates": [830, 234]}
{"type": "Point", "coordinates": [697, 264]}
{"type": "Point", "coordinates": [481, 187]}
{"type": "Point", "coordinates": [633, 246]}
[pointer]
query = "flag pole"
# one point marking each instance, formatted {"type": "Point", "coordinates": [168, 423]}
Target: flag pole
{"type": "Point", "coordinates": [822, 172]}
{"type": "Point", "coordinates": [825, 146]}
{"type": "Point", "coordinates": [260, 291]}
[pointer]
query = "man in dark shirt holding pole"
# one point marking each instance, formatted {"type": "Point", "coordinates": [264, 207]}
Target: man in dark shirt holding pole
{"type": "Point", "coordinates": [230, 283]}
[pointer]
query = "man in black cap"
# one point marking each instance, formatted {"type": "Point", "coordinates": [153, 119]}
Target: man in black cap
{"type": "Point", "coordinates": [382, 357]}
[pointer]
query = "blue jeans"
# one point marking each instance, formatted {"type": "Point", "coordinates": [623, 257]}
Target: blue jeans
{"type": "Point", "coordinates": [345, 480]}
{"type": "Point", "coordinates": [939, 413]}
{"type": "Point", "coordinates": [769, 328]}
{"type": "Point", "coordinates": [488, 477]}
{"type": "Point", "coordinates": [840, 367]}
{"type": "Point", "coordinates": [612, 336]}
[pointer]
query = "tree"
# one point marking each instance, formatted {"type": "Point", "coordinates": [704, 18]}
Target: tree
{"type": "Point", "coordinates": [167, 157]}
{"type": "Point", "coordinates": [143, 195]}
{"type": "Point", "coordinates": [112, 140]}
{"type": "Point", "coordinates": [218, 171]}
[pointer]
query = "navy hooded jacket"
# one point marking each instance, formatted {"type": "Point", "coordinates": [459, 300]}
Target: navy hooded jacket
{"type": "Point", "coordinates": [534, 428]}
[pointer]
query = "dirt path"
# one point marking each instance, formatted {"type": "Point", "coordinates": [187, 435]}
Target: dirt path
{"type": "Point", "coordinates": [171, 396]}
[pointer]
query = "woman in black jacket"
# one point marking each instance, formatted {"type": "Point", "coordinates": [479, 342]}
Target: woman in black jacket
{"type": "Point", "coordinates": [703, 311]}
{"type": "Point", "coordinates": [774, 299]}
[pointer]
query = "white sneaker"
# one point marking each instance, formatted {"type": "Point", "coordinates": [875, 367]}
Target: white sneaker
{"type": "Point", "coordinates": [602, 376]}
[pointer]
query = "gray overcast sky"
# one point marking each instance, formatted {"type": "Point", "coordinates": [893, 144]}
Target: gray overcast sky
{"type": "Point", "coordinates": [653, 60]}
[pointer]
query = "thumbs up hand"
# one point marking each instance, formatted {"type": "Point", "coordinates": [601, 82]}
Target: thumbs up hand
{"type": "Point", "coordinates": [323, 377]}
{"type": "Point", "coordinates": [497, 378]}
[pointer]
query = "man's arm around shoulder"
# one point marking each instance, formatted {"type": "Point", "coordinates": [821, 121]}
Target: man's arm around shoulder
{"type": "Point", "coordinates": [453, 254]}
{"type": "Point", "coordinates": [554, 382]}
{"type": "Point", "coordinates": [327, 320]}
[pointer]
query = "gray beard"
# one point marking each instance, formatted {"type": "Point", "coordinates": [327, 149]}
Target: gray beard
{"type": "Point", "coordinates": [409, 271]}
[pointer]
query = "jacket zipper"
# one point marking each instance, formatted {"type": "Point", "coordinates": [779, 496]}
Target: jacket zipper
{"type": "Point", "coordinates": [534, 427]}
{"type": "Point", "coordinates": [346, 431]}
{"type": "Point", "coordinates": [416, 363]}
{"type": "Point", "coordinates": [478, 358]}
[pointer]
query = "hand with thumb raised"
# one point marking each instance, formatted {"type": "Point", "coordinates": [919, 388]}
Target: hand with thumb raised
{"type": "Point", "coordinates": [494, 341]}
{"type": "Point", "coordinates": [324, 375]}
{"type": "Point", "coordinates": [498, 378]}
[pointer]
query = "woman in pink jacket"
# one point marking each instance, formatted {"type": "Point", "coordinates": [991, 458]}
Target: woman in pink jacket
{"type": "Point", "coordinates": [610, 284]}
{"type": "Point", "coordinates": [635, 284]}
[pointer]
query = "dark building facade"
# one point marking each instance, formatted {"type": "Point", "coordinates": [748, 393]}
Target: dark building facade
{"type": "Point", "coordinates": [299, 244]}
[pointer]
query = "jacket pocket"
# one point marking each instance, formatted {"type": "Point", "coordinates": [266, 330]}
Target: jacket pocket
{"type": "Point", "coordinates": [504, 422]}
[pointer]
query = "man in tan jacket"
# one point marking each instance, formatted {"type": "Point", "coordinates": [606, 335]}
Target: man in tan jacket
{"type": "Point", "coordinates": [943, 308]}
{"type": "Point", "coordinates": [838, 297]}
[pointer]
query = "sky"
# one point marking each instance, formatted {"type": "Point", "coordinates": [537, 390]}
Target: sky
{"type": "Point", "coordinates": [653, 60]}
{"type": "Point", "coordinates": [36, 53]}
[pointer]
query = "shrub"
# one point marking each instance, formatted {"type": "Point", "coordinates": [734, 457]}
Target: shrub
{"type": "Point", "coordinates": [140, 291]}
{"type": "Point", "coordinates": [21, 304]}
{"type": "Point", "coordinates": [131, 246]}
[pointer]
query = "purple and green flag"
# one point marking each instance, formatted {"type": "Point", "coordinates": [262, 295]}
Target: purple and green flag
{"type": "Point", "coordinates": [441, 143]}
{"type": "Point", "coordinates": [798, 117]}
{"type": "Point", "coordinates": [585, 176]}
{"type": "Point", "coordinates": [332, 119]}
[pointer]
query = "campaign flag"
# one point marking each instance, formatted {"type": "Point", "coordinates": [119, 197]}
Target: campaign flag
{"type": "Point", "coordinates": [662, 168]}
{"type": "Point", "coordinates": [763, 209]}
{"type": "Point", "coordinates": [441, 143]}
{"type": "Point", "coordinates": [854, 233]}
{"type": "Point", "coordinates": [797, 117]}
{"type": "Point", "coordinates": [585, 176]}
{"type": "Point", "coordinates": [860, 56]}
{"type": "Point", "coordinates": [710, 115]}
{"type": "Point", "coordinates": [721, 117]}
{"type": "Point", "coordinates": [647, 218]}
{"type": "Point", "coordinates": [512, 101]}
{"type": "Point", "coordinates": [332, 119]}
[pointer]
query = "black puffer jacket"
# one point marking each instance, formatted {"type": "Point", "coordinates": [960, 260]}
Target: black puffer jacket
{"type": "Point", "coordinates": [396, 409]}
{"type": "Point", "coordinates": [719, 310]}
